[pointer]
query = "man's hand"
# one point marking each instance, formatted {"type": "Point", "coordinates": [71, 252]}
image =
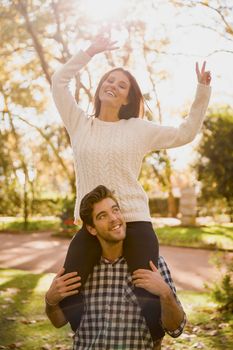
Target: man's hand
{"type": "Point", "coordinates": [63, 286]}
{"type": "Point", "coordinates": [152, 281]}
{"type": "Point", "coordinates": [101, 43]}
{"type": "Point", "coordinates": [203, 76]}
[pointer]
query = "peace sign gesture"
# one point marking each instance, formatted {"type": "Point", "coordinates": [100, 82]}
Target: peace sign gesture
{"type": "Point", "coordinates": [203, 76]}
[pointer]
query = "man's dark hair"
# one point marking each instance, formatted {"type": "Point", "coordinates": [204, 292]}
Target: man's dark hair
{"type": "Point", "coordinates": [87, 203]}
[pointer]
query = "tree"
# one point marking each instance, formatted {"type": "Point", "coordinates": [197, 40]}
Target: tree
{"type": "Point", "coordinates": [215, 161]}
{"type": "Point", "coordinates": [8, 179]}
{"type": "Point", "coordinates": [219, 18]}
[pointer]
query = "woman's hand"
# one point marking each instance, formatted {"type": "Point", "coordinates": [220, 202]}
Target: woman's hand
{"type": "Point", "coordinates": [203, 76]}
{"type": "Point", "coordinates": [100, 44]}
{"type": "Point", "coordinates": [151, 281]}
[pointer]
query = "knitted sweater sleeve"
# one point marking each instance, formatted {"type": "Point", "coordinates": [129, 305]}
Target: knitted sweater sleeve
{"type": "Point", "coordinates": [155, 137]}
{"type": "Point", "coordinates": [64, 100]}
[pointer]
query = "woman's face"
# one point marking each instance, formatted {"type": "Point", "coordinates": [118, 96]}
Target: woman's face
{"type": "Point", "coordinates": [115, 89]}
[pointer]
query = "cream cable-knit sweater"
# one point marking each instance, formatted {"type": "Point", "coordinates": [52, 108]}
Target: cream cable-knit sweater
{"type": "Point", "coordinates": [111, 153]}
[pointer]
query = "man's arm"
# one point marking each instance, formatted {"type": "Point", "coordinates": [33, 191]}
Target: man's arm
{"type": "Point", "coordinates": [62, 286]}
{"type": "Point", "coordinates": [55, 314]}
{"type": "Point", "coordinates": [172, 314]}
{"type": "Point", "coordinates": [165, 273]}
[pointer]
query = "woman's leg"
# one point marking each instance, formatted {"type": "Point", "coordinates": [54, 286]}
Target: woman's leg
{"type": "Point", "coordinates": [83, 254]}
{"type": "Point", "coordinates": [140, 246]}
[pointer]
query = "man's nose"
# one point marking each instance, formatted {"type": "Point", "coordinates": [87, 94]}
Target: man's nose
{"type": "Point", "coordinates": [113, 217]}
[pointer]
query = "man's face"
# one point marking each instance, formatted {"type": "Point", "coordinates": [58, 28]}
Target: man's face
{"type": "Point", "coordinates": [109, 224]}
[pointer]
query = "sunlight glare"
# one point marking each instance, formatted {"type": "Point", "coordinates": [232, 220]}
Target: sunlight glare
{"type": "Point", "coordinates": [103, 10]}
{"type": "Point", "coordinates": [44, 283]}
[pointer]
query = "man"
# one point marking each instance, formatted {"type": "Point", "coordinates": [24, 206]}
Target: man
{"type": "Point", "coordinates": [112, 318]}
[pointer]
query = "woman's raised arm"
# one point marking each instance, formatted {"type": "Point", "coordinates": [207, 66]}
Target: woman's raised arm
{"type": "Point", "coordinates": [63, 98]}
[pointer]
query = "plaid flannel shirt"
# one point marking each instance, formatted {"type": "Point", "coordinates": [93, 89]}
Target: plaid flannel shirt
{"type": "Point", "coordinates": [112, 318]}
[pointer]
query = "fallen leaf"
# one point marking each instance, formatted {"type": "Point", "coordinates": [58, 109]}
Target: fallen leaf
{"type": "Point", "coordinates": [10, 318]}
{"type": "Point", "coordinates": [223, 325]}
{"type": "Point", "coordinates": [198, 345]}
{"type": "Point", "coordinates": [197, 329]}
{"type": "Point", "coordinates": [25, 321]}
{"type": "Point", "coordinates": [207, 327]}
{"type": "Point", "coordinates": [13, 291]}
{"type": "Point", "coordinates": [8, 300]}
{"type": "Point", "coordinates": [14, 346]}
{"type": "Point", "coordinates": [46, 347]}
{"type": "Point", "coordinates": [213, 332]}
{"type": "Point", "coordinates": [188, 337]}
{"type": "Point", "coordinates": [41, 318]}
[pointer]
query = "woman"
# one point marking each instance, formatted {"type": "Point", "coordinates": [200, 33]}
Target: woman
{"type": "Point", "coordinates": [108, 149]}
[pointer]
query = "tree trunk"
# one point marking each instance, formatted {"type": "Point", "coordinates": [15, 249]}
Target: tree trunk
{"type": "Point", "coordinates": [25, 203]}
{"type": "Point", "coordinates": [171, 205]}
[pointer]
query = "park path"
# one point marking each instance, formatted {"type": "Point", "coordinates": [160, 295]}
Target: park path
{"type": "Point", "coordinates": [41, 252]}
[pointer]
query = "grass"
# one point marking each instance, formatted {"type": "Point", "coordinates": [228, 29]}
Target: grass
{"type": "Point", "coordinates": [34, 224]}
{"type": "Point", "coordinates": [23, 324]}
{"type": "Point", "coordinates": [206, 328]}
{"type": "Point", "coordinates": [208, 237]}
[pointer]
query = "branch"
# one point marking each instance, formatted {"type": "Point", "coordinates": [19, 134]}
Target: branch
{"type": "Point", "coordinates": [209, 28]}
{"type": "Point", "coordinates": [58, 36]}
{"type": "Point", "coordinates": [20, 6]}
{"type": "Point", "coordinates": [48, 140]}
{"type": "Point", "coordinates": [228, 26]}
{"type": "Point", "coordinates": [147, 48]}
{"type": "Point", "coordinates": [9, 53]}
{"type": "Point", "coordinates": [220, 50]}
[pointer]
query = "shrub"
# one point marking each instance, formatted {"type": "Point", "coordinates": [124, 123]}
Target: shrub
{"type": "Point", "coordinates": [222, 292]}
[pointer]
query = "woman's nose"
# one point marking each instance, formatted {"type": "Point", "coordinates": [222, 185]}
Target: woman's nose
{"type": "Point", "coordinates": [113, 85]}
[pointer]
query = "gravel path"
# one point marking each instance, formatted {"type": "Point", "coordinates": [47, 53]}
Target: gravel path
{"type": "Point", "coordinates": [40, 252]}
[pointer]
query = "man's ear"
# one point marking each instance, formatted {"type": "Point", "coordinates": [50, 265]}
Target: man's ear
{"type": "Point", "coordinates": [91, 230]}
